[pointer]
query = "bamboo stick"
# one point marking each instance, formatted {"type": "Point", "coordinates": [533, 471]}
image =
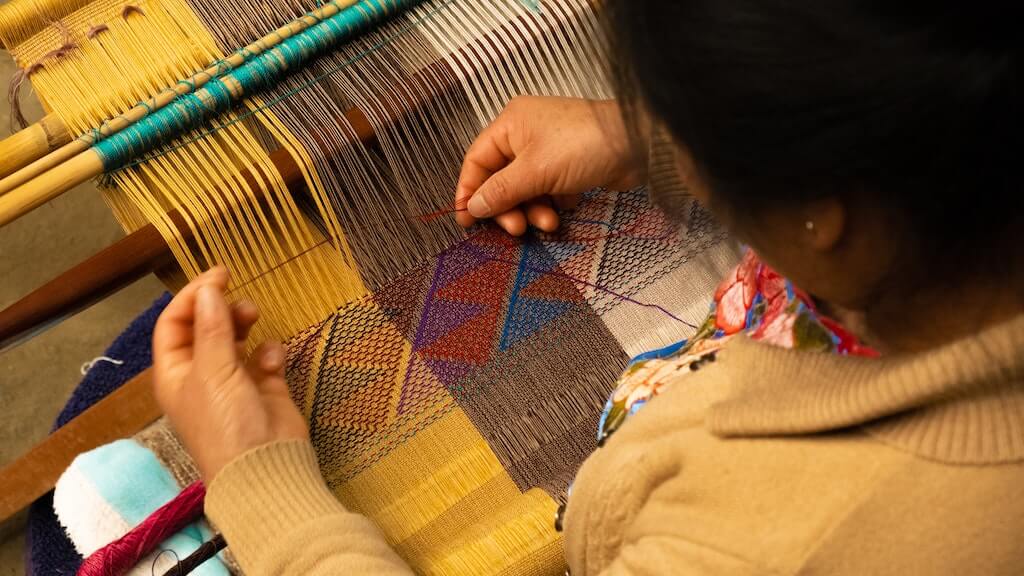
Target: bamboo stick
{"type": "Point", "coordinates": [26, 146]}
{"type": "Point", "coordinates": [49, 185]}
{"type": "Point", "coordinates": [46, 152]}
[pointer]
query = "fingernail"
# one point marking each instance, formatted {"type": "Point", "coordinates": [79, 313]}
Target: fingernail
{"type": "Point", "coordinates": [205, 300]}
{"type": "Point", "coordinates": [478, 207]}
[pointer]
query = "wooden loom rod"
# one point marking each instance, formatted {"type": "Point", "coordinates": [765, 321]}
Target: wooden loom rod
{"type": "Point", "coordinates": [191, 110]}
{"type": "Point", "coordinates": [26, 146]}
{"type": "Point", "coordinates": [34, 160]}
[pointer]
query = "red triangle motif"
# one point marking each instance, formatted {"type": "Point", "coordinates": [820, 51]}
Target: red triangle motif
{"type": "Point", "coordinates": [485, 284]}
{"type": "Point", "coordinates": [553, 286]}
{"type": "Point", "coordinates": [470, 342]}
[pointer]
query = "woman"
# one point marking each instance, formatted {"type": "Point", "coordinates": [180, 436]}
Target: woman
{"type": "Point", "coordinates": [865, 152]}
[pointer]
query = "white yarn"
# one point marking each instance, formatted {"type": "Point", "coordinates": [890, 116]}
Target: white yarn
{"type": "Point", "coordinates": [88, 365]}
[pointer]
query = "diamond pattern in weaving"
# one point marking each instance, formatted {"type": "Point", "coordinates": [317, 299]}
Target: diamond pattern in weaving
{"type": "Point", "coordinates": [623, 244]}
{"type": "Point", "coordinates": [507, 330]}
{"type": "Point", "coordinates": [382, 368]}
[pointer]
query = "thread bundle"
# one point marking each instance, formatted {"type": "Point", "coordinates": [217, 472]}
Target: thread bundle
{"type": "Point", "coordinates": [123, 554]}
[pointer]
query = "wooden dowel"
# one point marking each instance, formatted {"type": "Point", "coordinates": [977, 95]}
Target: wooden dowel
{"type": "Point", "coordinates": [49, 185]}
{"type": "Point", "coordinates": [16, 172]}
{"type": "Point", "coordinates": [123, 413]}
{"type": "Point", "coordinates": [117, 266]}
{"type": "Point", "coordinates": [26, 146]}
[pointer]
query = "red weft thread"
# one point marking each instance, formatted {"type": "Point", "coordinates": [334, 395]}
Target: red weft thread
{"type": "Point", "coordinates": [435, 215]}
{"type": "Point", "coordinates": [123, 554]}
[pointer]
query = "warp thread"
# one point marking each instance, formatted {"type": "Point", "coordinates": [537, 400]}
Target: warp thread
{"type": "Point", "coordinates": [18, 120]}
{"type": "Point", "coordinates": [256, 75]}
{"type": "Point", "coordinates": [23, 74]}
{"type": "Point", "coordinates": [88, 365]}
{"type": "Point", "coordinates": [600, 288]}
{"type": "Point", "coordinates": [123, 554]}
{"type": "Point", "coordinates": [205, 552]}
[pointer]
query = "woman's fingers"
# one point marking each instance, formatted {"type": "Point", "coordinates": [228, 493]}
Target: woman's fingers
{"type": "Point", "coordinates": [215, 355]}
{"type": "Point", "coordinates": [541, 215]}
{"type": "Point", "coordinates": [519, 182]}
{"type": "Point", "coordinates": [266, 366]}
{"type": "Point", "coordinates": [489, 153]}
{"type": "Point", "coordinates": [513, 222]}
{"type": "Point", "coordinates": [173, 333]}
{"type": "Point", "coordinates": [567, 201]}
{"type": "Point", "coordinates": [244, 314]}
{"type": "Point", "coordinates": [268, 358]}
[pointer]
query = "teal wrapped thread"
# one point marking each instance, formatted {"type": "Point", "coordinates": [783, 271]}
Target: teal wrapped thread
{"type": "Point", "coordinates": [264, 71]}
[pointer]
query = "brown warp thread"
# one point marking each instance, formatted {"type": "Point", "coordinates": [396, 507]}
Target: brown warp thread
{"type": "Point", "coordinates": [95, 30]}
{"type": "Point", "coordinates": [131, 8]}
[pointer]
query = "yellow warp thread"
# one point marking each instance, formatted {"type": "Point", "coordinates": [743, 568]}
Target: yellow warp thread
{"type": "Point", "coordinates": [445, 480]}
{"type": "Point", "coordinates": [278, 259]}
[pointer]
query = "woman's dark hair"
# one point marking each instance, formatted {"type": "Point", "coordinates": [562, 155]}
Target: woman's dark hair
{"type": "Point", "coordinates": [781, 101]}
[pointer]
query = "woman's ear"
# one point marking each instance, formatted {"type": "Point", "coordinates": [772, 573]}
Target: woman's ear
{"type": "Point", "coordinates": [825, 223]}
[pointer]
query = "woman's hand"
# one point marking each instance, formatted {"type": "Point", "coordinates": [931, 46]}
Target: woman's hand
{"type": "Point", "coordinates": [219, 405]}
{"type": "Point", "coordinates": [542, 150]}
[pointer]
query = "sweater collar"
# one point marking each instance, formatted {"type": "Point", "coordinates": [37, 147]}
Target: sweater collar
{"type": "Point", "coordinates": [962, 402]}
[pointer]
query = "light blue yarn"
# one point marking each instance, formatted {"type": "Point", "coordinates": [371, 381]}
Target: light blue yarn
{"type": "Point", "coordinates": [191, 110]}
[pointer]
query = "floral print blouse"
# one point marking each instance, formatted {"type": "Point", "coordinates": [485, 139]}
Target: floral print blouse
{"type": "Point", "coordinates": [753, 300]}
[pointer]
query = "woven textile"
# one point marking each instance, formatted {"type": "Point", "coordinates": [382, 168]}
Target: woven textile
{"type": "Point", "coordinates": [454, 405]}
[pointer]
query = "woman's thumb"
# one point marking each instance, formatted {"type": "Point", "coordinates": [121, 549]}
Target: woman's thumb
{"type": "Point", "coordinates": [506, 189]}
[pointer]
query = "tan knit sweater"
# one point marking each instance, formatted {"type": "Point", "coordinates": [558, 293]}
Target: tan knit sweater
{"type": "Point", "coordinates": [768, 461]}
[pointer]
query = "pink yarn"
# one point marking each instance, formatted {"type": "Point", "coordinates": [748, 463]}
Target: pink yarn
{"type": "Point", "coordinates": [123, 554]}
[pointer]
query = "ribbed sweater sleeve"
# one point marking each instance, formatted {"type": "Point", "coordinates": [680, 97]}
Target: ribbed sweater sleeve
{"type": "Point", "coordinates": [278, 517]}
